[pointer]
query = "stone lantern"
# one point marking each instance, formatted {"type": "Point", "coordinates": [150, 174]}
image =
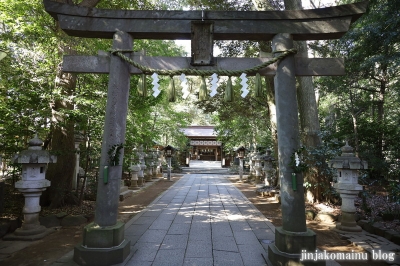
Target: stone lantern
{"type": "Point", "coordinates": [347, 166]}
{"type": "Point", "coordinates": [148, 158]}
{"type": "Point", "coordinates": [135, 168]}
{"type": "Point", "coordinates": [78, 138]}
{"type": "Point", "coordinates": [34, 163]}
{"type": "Point", "coordinates": [269, 171]}
{"type": "Point", "coordinates": [241, 153]}
{"type": "Point", "coordinates": [168, 152]}
{"type": "Point", "coordinates": [154, 163]}
{"type": "Point", "coordinates": [142, 163]}
{"type": "Point", "coordinates": [256, 159]}
{"type": "Point", "coordinates": [159, 163]}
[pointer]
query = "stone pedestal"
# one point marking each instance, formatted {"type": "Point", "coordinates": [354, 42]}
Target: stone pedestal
{"type": "Point", "coordinates": [269, 171]}
{"type": "Point", "coordinates": [149, 166]}
{"type": "Point", "coordinates": [78, 139]}
{"type": "Point", "coordinates": [240, 155]}
{"type": "Point", "coordinates": [289, 245]}
{"type": "Point", "coordinates": [154, 171]}
{"type": "Point", "coordinates": [159, 167]}
{"type": "Point", "coordinates": [134, 179]}
{"type": "Point", "coordinates": [142, 165]}
{"type": "Point", "coordinates": [148, 174]}
{"type": "Point", "coordinates": [102, 246]}
{"type": "Point", "coordinates": [124, 192]}
{"type": "Point", "coordinates": [169, 169]}
{"type": "Point", "coordinates": [257, 168]}
{"type": "Point", "coordinates": [141, 177]}
{"type": "Point", "coordinates": [348, 221]}
{"type": "Point", "coordinates": [154, 165]}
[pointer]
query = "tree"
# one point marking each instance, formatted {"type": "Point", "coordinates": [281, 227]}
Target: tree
{"type": "Point", "coordinates": [41, 98]}
{"type": "Point", "coordinates": [370, 87]}
{"type": "Point", "coordinates": [309, 122]}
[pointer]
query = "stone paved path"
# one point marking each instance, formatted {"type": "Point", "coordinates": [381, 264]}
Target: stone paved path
{"type": "Point", "coordinates": [374, 244]}
{"type": "Point", "coordinates": [202, 220]}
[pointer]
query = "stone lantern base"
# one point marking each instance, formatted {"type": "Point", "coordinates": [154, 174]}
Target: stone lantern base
{"type": "Point", "coordinates": [31, 228]}
{"type": "Point", "coordinates": [148, 176]}
{"type": "Point", "coordinates": [348, 223]}
{"type": "Point", "coordinates": [31, 234]}
{"type": "Point", "coordinates": [348, 193]}
{"type": "Point", "coordinates": [140, 182]}
{"type": "Point", "coordinates": [134, 184]}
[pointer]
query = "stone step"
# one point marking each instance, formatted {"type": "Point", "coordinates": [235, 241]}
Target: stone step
{"type": "Point", "coordinates": [125, 194]}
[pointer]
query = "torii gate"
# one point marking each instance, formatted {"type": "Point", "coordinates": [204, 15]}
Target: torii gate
{"type": "Point", "coordinates": [104, 241]}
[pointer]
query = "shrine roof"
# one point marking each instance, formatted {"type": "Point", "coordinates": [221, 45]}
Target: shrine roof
{"type": "Point", "coordinates": [199, 131]}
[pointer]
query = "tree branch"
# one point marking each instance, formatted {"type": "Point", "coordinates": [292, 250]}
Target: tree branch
{"type": "Point", "coordinates": [365, 89]}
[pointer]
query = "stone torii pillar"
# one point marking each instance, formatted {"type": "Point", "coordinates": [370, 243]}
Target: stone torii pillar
{"type": "Point", "coordinates": [103, 239]}
{"type": "Point", "coordinates": [293, 236]}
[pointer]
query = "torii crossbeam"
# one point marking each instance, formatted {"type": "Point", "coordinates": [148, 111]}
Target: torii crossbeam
{"type": "Point", "coordinates": [104, 242]}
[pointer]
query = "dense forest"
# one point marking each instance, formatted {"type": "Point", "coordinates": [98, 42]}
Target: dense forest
{"type": "Point", "coordinates": [361, 107]}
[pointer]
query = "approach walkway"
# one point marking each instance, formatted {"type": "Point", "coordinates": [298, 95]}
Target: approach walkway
{"type": "Point", "coordinates": [205, 167]}
{"type": "Point", "coordinates": [201, 220]}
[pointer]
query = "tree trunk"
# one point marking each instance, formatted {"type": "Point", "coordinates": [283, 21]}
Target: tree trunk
{"type": "Point", "coordinates": [354, 115]}
{"type": "Point", "coordinates": [309, 122]}
{"type": "Point", "coordinates": [380, 108]}
{"type": "Point", "coordinates": [62, 144]}
{"type": "Point", "coordinates": [269, 81]}
{"type": "Point", "coordinates": [62, 141]}
{"type": "Point", "coordinates": [266, 51]}
{"type": "Point", "coordinates": [380, 121]}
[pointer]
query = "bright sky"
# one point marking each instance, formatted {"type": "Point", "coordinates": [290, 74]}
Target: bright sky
{"type": "Point", "coordinates": [306, 5]}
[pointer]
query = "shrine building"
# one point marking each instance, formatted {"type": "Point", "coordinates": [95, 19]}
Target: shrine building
{"type": "Point", "coordinates": [203, 143]}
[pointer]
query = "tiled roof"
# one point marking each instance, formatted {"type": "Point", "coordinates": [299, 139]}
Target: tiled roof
{"type": "Point", "coordinates": [199, 131]}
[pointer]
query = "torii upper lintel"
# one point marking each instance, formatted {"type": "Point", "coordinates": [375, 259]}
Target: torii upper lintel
{"type": "Point", "coordinates": [315, 24]}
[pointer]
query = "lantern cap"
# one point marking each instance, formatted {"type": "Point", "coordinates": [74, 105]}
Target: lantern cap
{"type": "Point", "coordinates": [169, 149]}
{"type": "Point", "coordinates": [347, 150]}
{"type": "Point", "coordinates": [348, 160]}
{"type": "Point", "coordinates": [35, 143]}
{"type": "Point", "coordinates": [241, 148]}
{"type": "Point", "coordinates": [79, 136]}
{"type": "Point", "coordinates": [34, 154]}
{"type": "Point", "coordinates": [267, 156]}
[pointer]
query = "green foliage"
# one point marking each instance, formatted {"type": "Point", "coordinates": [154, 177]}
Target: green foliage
{"type": "Point", "coordinates": [30, 85]}
{"type": "Point", "coordinates": [394, 191]}
{"type": "Point", "coordinates": [362, 105]}
{"type": "Point", "coordinates": [240, 121]}
{"type": "Point", "coordinates": [314, 161]}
